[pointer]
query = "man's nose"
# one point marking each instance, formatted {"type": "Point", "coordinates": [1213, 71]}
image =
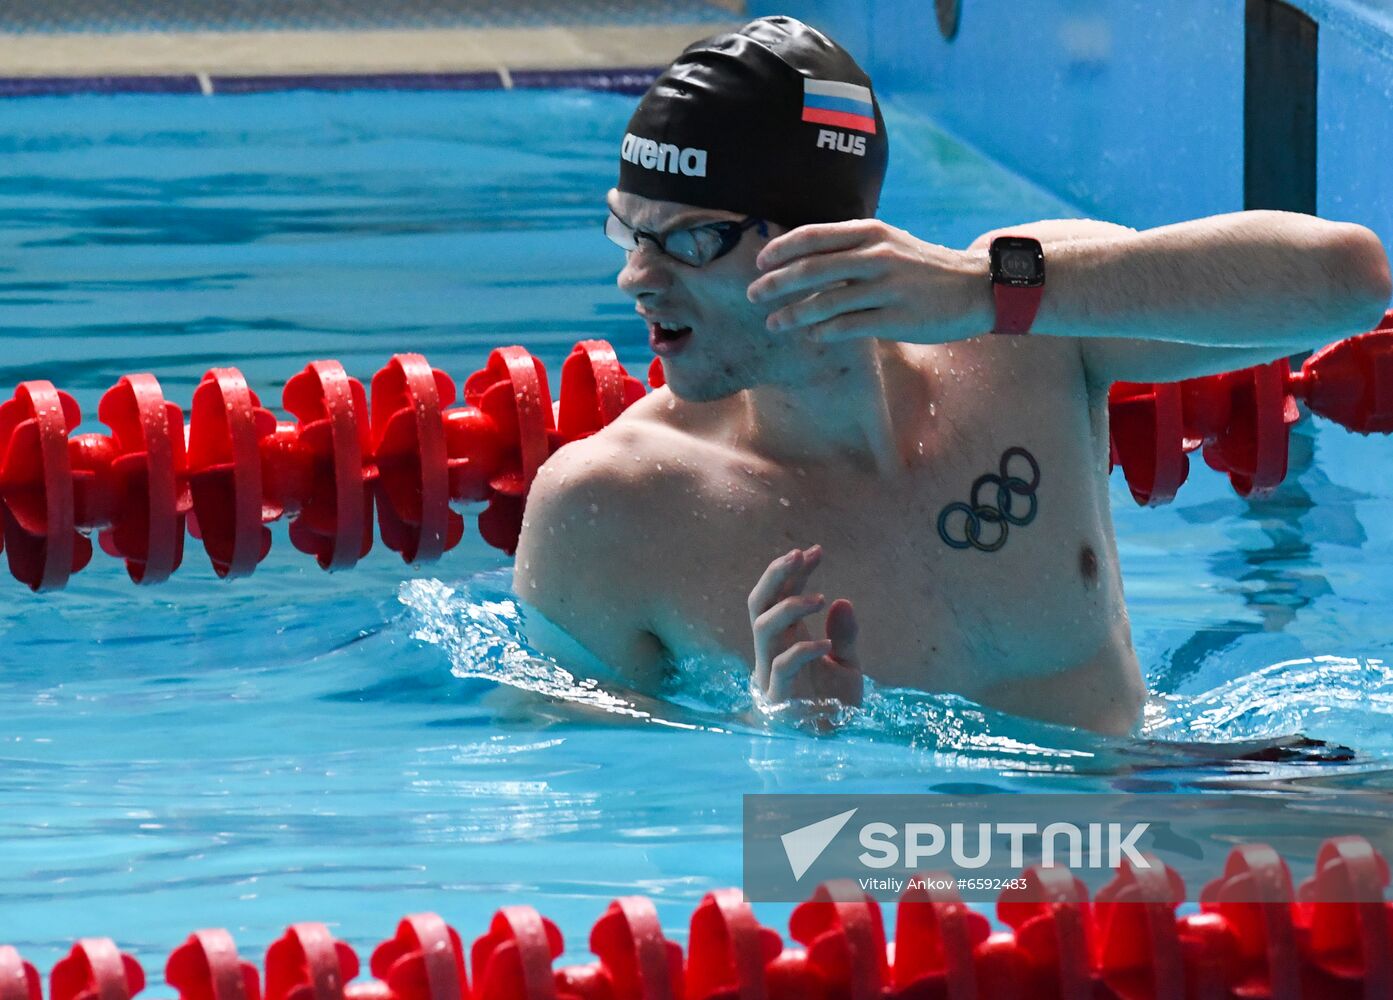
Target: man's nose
{"type": "Point", "coordinates": [646, 270]}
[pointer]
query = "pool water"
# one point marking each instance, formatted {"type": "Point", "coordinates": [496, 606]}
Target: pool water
{"type": "Point", "coordinates": [350, 748]}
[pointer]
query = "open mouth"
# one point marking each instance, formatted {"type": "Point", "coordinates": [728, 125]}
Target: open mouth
{"type": "Point", "coordinates": [667, 340]}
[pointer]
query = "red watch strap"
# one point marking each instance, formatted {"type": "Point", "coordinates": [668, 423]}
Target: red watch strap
{"type": "Point", "coordinates": [1016, 307]}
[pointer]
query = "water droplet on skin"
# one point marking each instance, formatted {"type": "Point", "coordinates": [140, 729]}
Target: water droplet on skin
{"type": "Point", "coordinates": [932, 408]}
{"type": "Point", "coordinates": [532, 584]}
{"type": "Point", "coordinates": [659, 465]}
{"type": "Point", "coordinates": [921, 447]}
{"type": "Point", "coordinates": [527, 565]}
{"type": "Point", "coordinates": [801, 472]}
{"type": "Point", "coordinates": [594, 509]}
{"type": "Point", "coordinates": [672, 404]}
{"type": "Point", "coordinates": [785, 502]}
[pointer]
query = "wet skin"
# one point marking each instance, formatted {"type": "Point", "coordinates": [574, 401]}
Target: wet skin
{"type": "Point", "coordinates": [948, 502]}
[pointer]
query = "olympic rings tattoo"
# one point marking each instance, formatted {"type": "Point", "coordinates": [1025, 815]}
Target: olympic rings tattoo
{"type": "Point", "coordinates": [1002, 514]}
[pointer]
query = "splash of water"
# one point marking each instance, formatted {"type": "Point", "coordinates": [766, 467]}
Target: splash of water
{"type": "Point", "coordinates": [480, 627]}
{"type": "Point", "coordinates": [1349, 697]}
{"type": "Point", "coordinates": [483, 629]}
{"type": "Point", "coordinates": [940, 723]}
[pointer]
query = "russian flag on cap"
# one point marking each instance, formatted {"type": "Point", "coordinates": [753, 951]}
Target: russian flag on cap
{"type": "Point", "coordinates": [845, 105]}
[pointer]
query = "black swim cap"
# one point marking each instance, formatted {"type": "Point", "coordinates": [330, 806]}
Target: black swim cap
{"type": "Point", "coordinates": [774, 120]}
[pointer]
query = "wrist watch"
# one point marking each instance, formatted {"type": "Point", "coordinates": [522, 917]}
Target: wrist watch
{"type": "Point", "coordinates": [1018, 282]}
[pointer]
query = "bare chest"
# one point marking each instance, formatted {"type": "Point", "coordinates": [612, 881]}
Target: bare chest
{"type": "Point", "coordinates": [989, 555]}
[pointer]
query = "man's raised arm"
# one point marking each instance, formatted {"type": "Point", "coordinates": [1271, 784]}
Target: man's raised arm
{"type": "Point", "coordinates": [1245, 279]}
{"type": "Point", "coordinates": [1261, 284]}
{"type": "Point", "coordinates": [1109, 359]}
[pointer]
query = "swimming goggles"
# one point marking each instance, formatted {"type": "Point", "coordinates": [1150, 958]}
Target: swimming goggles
{"type": "Point", "coordinates": [695, 247]}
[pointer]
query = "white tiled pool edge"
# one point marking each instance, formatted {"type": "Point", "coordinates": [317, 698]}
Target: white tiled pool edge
{"type": "Point", "coordinates": [309, 53]}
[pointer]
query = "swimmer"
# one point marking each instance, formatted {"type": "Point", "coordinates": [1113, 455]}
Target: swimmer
{"type": "Point", "coordinates": [848, 473]}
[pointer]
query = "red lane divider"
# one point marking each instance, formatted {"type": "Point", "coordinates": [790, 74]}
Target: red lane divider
{"type": "Point", "coordinates": [1137, 940]}
{"type": "Point", "coordinates": [845, 937]}
{"type": "Point", "coordinates": [18, 979]}
{"type": "Point", "coordinates": [636, 961]}
{"type": "Point", "coordinates": [95, 970]}
{"type": "Point", "coordinates": [321, 472]}
{"type": "Point", "coordinates": [1347, 927]}
{"type": "Point", "coordinates": [425, 961]}
{"type": "Point", "coordinates": [408, 402]}
{"type": "Point", "coordinates": [1242, 419]}
{"type": "Point", "coordinates": [207, 967]}
{"type": "Point", "coordinates": [147, 528]}
{"type": "Point", "coordinates": [36, 482]}
{"type": "Point", "coordinates": [226, 427]}
{"type": "Point", "coordinates": [730, 953]}
{"type": "Point", "coordinates": [937, 936]}
{"type": "Point", "coordinates": [306, 963]}
{"type": "Point", "coordinates": [408, 453]}
{"type": "Point", "coordinates": [514, 959]}
{"type": "Point", "coordinates": [406, 456]}
{"type": "Point", "coordinates": [1255, 939]}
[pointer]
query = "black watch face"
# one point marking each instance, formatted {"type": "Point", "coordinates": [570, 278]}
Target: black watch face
{"type": "Point", "coordinates": [1017, 261]}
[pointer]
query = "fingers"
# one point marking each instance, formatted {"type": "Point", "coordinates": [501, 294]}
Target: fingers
{"type": "Point", "coordinates": [810, 274]}
{"type": "Point", "coordinates": [786, 666]}
{"type": "Point", "coordinates": [848, 683]}
{"type": "Point", "coordinates": [820, 237]}
{"type": "Point", "coordinates": [787, 612]}
{"type": "Point", "coordinates": [863, 323]}
{"type": "Point", "coordinates": [825, 305]}
{"type": "Point", "coordinates": [827, 668]}
{"type": "Point", "coordinates": [842, 630]}
{"type": "Point", "coordinates": [784, 577]}
{"type": "Point", "coordinates": [769, 627]}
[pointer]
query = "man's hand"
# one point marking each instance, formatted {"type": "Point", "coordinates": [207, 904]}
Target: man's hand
{"type": "Point", "coordinates": [863, 278]}
{"type": "Point", "coordinates": [789, 662]}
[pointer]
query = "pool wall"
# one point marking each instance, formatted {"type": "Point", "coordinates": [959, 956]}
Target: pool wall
{"type": "Point", "coordinates": [1136, 111]}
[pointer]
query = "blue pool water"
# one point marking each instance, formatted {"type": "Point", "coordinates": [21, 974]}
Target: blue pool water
{"type": "Point", "coordinates": [350, 748]}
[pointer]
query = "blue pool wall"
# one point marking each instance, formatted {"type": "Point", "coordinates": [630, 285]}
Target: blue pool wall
{"type": "Point", "coordinates": [1129, 109]}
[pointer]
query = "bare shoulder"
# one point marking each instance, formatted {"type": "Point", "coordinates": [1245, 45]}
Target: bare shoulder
{"type": "Point", "coordinates": [584, 553]}
{"type": "Point", "coordinates": [654, 447]}
{"type": "Point", "coordinates": [622, 460]}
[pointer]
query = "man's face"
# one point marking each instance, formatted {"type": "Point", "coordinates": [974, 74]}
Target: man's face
{"type": "Point", "coordinates": [729, 348]}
